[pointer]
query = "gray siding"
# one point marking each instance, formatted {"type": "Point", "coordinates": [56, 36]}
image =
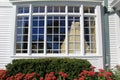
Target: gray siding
{"type": "Point", "coordinates": [5, 33]}
{"type": "Point", "coordinates": [114, 57]}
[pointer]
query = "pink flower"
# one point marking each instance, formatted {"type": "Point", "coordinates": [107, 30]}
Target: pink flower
{"type": "Point", "coordinates": [106, 65]}
{"type": "Point", "coordinates": [92, 67]}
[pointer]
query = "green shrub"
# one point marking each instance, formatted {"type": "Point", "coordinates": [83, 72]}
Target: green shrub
{"type": "Point", "coordinates": [45, 65]}
{"type": "Point", "coordinates": [116, 72]}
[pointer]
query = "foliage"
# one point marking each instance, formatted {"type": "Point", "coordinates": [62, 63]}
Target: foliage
{"type": "Point", "coordinates": [116, 72]}
{"type": "Point", "coordinates": [72, 67]}
{"type": "Point", "coordinates": [84, 75]}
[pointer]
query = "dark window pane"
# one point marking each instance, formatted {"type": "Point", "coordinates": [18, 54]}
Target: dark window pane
{"type": "Point", "coordinates": [25, 24]}
{"type": "Point", "coordinates": [19, 30]}
{"type": "Point", "coordinates": [41, 18]}
{"type": "Point", "coordinates": [35, 23]}
{"type": "Point", "coordinates": [26, 18]}
{"type": "Point", "coordinates": [35, 18]}
{"type": "Point", "coordinates": [49, 31]}
{"type": "Point", "coordinates": [18, 51]}
{"type": "Point", "coordinates": [56, 37]}
{"type": "Point", "coordinates": [86, 23]}
{"type": "Point", "coordinates": [35, 9]}
{"type": "Point", "coordinates": [19, 23]}
{"type": "Point", "coordinates": [76, 9]}
{"type": "Point", "coordinates": [62, 30]}
{"type": "Point", "coordinates": [41, 38]}
{"type": "Point", "coordinates": [49, 45]}
{"type": "Point", "coordinates": [86, 30]}
{"type": "Point", "coordinates": [55, 45]}
{"type": "Point", "coordinates": [24, 46]}
{"type": "Point", "coordinates": [18, 45]}
{"type": "Point", "coordinates": [35, 31]}
{"type": "Point", "coordinates": [24, 51]}
{"type": "Point", "coordinates": [62, 22]}
{"type": "Point", "coordinates": [42, 9]}
{"type": "Point", "coordinates": [62, 37]}
{"type": "Point", "coordinates": [41, 30]}
{"type": "Point", "coordinates": [87, 38]}
{"type": "Point", "coordinates": [41, 23]}
{"type": "Point", "coordinates": [70, 9]}
{"type": "Point", "coordinates": [62, 8]}
{"type": "Point", "coordinates": [34, 38]}
{"type": "Point", "coordinates": [19, 38]}
{"type": "Point", "coordinates": [20, 10]}
{"type": "Point", "coordinates": [92, 10]}
{"type": "Point", "coordinates": [70, 22]}
{"type": "Point", "coordinates": [56, 9]}
{"type": "Point", "coordinates": [25, 38]}
{"type": "Point", "coordinates": [49, 9]}
{"type": "Point", "coordinates": [49, 22]}
{"type": "Point", "coordinates": [40, 46]}
{"type": "Point", "coordinates": [25, 30]}
{"type": "Point", "coordinates": [26, 9]}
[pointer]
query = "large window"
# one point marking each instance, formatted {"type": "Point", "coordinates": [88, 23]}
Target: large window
{"type": "Point", "coordinates": [55, 29]}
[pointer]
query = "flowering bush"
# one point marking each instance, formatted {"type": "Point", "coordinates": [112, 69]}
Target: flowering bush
{"type": "Point", "coordinates": [116, 72]}
{"type": "Point", "coordinates": [84, 75]}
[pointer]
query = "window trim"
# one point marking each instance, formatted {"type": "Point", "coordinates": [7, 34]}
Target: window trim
{"type": "Point", "coordinates": [82, 33]}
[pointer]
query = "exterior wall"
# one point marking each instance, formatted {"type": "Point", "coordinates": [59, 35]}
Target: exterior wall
{"type": "Point", "coordinates": [5, 33]}
{"type": "Point", "coordinates": [7, 36]}
{"type": "Point", "coordinates": [113, 35]}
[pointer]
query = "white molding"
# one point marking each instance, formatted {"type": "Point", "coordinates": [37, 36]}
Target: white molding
{"type": "Point", "coordinates": [82, 31]}
{"type": "Point", "coordinates": [57, 0]}
{"type": "Point", "coordinates": [29, 30]}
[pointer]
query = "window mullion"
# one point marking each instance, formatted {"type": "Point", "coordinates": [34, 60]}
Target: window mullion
{"type": "Point", "coordinates": [82, 31]}
{"type": "Point", "coordinates": [29, 30]}
{"type": "Point", "coordinates": [66, 25]}
{"type": "Point", "coordinates": [45, 30]}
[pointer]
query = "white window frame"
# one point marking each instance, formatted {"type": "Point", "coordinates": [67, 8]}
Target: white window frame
{"type": "Point", "coordinates": [98, 27]}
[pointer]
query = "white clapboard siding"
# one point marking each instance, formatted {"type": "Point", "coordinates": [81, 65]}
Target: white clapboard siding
{"type": "Point", "coordinates": [5, 33]}
{"type": "Point", "coordinates": [109, 5]}
{"type": "Point", "coordinates": [114, 58]}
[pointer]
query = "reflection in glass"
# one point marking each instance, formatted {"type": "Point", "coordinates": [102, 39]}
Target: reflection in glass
{"type": "Point", "coordinates": [89, 35]}
{"type": "Point", "coordinates": [74, 34]}
{"type": "Point", "coordinates": [55, 34]}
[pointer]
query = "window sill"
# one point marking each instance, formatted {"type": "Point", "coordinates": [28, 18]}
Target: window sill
{"type": "Point", "coordinates": [56, 55]}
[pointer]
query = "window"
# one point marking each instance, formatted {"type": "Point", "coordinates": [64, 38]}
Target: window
{"type": "Point", "coordinates": [53, 33]}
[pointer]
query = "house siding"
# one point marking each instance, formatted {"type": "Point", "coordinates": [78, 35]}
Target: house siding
{"type": "Point", "coordinates": [5, 33]}
{"type": "Point", "coordinates": [114, 57]}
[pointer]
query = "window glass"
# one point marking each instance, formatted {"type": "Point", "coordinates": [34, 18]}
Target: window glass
{"type": "Point", "coordinates": [55, 34]}
{"type": "Point", "coordinates": [38, 9]}
{"type": "Point", "coordinates": [23, 10]}
{"type": "Point", "coordinates": [55, 29]}
{"type": "Point", "coordinates": [89, 35]}
{"type": "Point", "coordinates": [38, 35]}
{"type": "Point", "coordinates": [89, 9]}
{"type": "Point", "coordinates": [22, 34]}
{"type": "Point", "coordinates": [74, 34]}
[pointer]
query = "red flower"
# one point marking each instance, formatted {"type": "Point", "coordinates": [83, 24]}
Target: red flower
{"type": "Point", "coordinates": [75, 79]}
{"type": "Point", "coordinates": [2, 74]}
{"type": "Point", "coordinates": [82, 78]}
{"type": "Point", "coordinates": [91, 73]}
{"type": "Point", "coordinates": [99, 75]}
{"type": "Point", "coordinates": [41, 78]}
{"type": "Point", "coordinates": [101, 70]}
{"type": "Point", "coordinates": [64, 75]}
{"type": "Point", "coordinates": [19, 76]}
{"type": "Point", "coordinates": [10, 78]}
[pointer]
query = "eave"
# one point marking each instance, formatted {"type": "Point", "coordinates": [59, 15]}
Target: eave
{"type": "Point", "coordinates": [13, 1]}
{"type": "Point", "coordinates": [116, 5]}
